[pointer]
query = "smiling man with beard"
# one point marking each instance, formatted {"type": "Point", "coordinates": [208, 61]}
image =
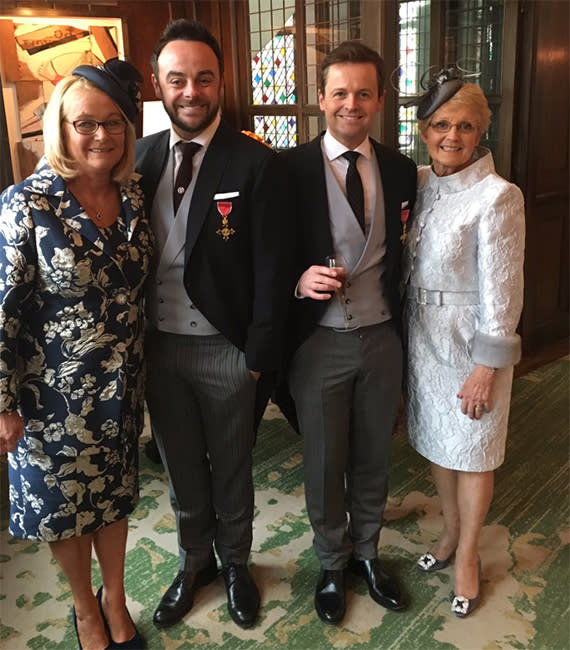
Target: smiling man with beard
{"type": "Point", "coordinates": [216, 310]}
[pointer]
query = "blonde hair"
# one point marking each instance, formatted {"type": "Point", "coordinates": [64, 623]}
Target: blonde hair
{"type": "Point", "coordinates": [468, 95]}
{"type": "Point", "coordinates": [54, 141]}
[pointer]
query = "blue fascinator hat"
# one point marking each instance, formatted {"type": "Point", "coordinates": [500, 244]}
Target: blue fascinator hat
{"type": "Point", "coordinates": [117, 79]}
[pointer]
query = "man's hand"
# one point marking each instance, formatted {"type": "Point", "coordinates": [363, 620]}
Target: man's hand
{"type": "Point", "coordinates": [11, 430]}
{"type": "Point", "coordinates": [319, 282]}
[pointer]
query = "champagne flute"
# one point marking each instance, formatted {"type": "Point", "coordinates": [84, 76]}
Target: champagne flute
{"type": "Point", "coordinates": [337, 262]}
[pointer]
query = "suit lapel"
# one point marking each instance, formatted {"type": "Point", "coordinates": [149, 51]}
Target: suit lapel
{"type": "Point", "coordinates": [208, 180]}
{"type": "Point", "coordinates": [316, 186]}
{"type": "Point", "coordinates": [150, 163]}
{"type": "Point", "coordinates": [390, 185]}
{"type": "Point", "coordinates": [174, 244]}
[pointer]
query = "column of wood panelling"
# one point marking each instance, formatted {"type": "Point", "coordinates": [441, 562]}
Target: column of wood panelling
{"type": "Point", "coordinates": [541, 166]}
{"type": "Point", "coordinates": [143, 22]}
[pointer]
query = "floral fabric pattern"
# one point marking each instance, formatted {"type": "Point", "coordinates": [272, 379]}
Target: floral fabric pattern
{"type": "Point", "coordinates": [71, 354]}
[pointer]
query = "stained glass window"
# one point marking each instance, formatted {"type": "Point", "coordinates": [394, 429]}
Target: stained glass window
{"type": "Point", "coordinates": [475, 31]}
{"type": "Point", "coordinates": [280, 131]}
{"type": "Point", "coordinates": [472, 39]}
{"type": "Point", "coordinates": [273, 69]}
{"type": "Point", "coordinates": [284, 74]}
{"type": "Point", "coordinates": [327, 24]}
{"type": "Point", "coordinates": [475, 41]}
{"type": "Point", "coordinates": [272, 46]}
{"type": "Point", "coordinates": [415, 19]}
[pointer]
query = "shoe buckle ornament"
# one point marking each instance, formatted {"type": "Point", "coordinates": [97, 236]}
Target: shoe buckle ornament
{"type": "Point", "coordinates": [460, 605]}
{"type": "Point", "coordinates": [427, 561]}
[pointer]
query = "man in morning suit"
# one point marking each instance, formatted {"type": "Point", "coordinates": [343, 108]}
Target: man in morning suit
{"type": "Point", "coordinates": [344, 326]}
{"type": "Point", "coordinates": [216, 307]}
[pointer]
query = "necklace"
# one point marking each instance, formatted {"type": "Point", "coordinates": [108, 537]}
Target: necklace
{"type": "Point", "coordinates": [102, 215]}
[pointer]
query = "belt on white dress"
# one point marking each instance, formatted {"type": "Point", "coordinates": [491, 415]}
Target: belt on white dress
{"type": "Point", "coordinates": [428, 297]}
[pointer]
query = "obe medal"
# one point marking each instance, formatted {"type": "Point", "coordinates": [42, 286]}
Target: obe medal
{"type": "Point", "coordinates": [224, 208]}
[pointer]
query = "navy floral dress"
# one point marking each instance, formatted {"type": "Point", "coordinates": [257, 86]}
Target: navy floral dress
{"type": "Point", "coordinates": [71, 352]}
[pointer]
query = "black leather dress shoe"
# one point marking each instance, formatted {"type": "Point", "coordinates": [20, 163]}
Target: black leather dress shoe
{"type": "Point", "coordinates": [243, 596]}
{"type": "Point", "coordinates": [384, 589]}
{"type": "Point", "coordinates": [179, 597]}
{"type": "Point", "coordinates": [330, 596]}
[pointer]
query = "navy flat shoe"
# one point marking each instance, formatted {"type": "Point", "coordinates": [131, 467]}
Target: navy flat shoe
{"type": "Point", "coordinates": [77, 631]}
{"type": "Point", "coordinates": [136, 642]}
{"type": "Point", "coordinates": [461, 606]}
{"type": "Point", "coordinates": [429, 563]}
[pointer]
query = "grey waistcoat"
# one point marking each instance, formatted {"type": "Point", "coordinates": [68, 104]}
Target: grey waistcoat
{"type": "Point", "coordinates": [364, 302]}
{"type": "Point", "coordinates": [170, 309]}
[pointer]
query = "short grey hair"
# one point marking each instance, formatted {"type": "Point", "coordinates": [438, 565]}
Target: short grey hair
{"type": "Point", "coordinates": [468, 95]}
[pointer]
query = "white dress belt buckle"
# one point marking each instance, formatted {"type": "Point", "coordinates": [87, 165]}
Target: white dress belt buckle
{"type": "Point", "coordinates": [439, 298]}
{"type": "Point", "coordinates": [425, 297]}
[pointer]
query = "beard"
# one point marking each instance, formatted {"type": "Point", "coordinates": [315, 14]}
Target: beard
{"type": "Point", "coordinates": [192, 129]}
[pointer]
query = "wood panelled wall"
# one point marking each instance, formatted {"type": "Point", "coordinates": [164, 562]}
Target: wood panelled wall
{"type": "Point", "coordinates": [540, 159]}
{"type": "Point", "coordinates": [143, 22]}
{"type": "Point", "coordinates": [541, 166]}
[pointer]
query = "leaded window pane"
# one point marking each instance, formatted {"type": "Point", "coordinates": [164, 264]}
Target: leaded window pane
{"type": "Point", "coordinates": [272, 43]}
{"type": "Point", "coordinates": [472, 41]}
{"type": "Point", "coordinates": [279, 131]}
{"type": "Point", "coordinates": [474, 31]}
{"type": "Point", "coordinates": [275, 55]}
{"type": "Point", "coordinates": [327, 24]}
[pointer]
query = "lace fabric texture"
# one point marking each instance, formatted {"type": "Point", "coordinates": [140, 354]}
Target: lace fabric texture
{"type": "Point", "coordinates": [467, 236]}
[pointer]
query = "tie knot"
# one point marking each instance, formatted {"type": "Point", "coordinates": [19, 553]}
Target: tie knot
{"type": "Point", "coordinates": [188, 149]}
{"type": "Point", "coordinates": [351, 156]}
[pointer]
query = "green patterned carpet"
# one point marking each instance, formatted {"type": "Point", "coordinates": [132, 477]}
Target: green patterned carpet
{"type": "Point", "coordinates": [524, 551]}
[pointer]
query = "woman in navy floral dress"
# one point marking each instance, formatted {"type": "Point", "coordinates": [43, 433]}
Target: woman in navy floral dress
{"type": "Point", "coordinates": [75, 249]}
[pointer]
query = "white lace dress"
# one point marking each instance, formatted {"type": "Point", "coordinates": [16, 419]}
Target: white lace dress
{"type": "Point", "coordinates": [463, 268]}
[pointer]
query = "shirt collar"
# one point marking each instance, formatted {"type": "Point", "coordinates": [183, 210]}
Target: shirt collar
{"type": "Point", "coordinates": [334, 149]}
{"type": "Point", "coordinates": [204, 138]}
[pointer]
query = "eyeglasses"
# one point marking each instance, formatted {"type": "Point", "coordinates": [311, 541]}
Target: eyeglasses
{"type": "Point", "coordinates": [89, 127]}
{"type": "Point", "coordinates": [443, 126]}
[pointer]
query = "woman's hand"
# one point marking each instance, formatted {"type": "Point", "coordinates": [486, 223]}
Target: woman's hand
{"type": "Point", "coordinates": [11, 430]}
{"type": "Point", "coordinates": [476, 394]}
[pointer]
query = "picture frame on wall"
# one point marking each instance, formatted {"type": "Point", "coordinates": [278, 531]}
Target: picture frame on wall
{"type": "Point", "coordinates": [35, 53]}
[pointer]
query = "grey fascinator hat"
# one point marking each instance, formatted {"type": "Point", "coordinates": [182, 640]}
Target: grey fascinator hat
{"type": "Point", "coordinates": [441, 87]}
{"type": "Point", "coordinates": [118, 79]}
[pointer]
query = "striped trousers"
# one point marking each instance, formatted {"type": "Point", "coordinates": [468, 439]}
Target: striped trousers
{"type": "Point", "coordinates": [201, 397]}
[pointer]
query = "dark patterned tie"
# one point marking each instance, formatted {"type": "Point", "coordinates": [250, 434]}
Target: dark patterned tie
{"type": "Point", "coordinates": [354, 190]}
{"type": "Point", "coordinates": [184, 175]}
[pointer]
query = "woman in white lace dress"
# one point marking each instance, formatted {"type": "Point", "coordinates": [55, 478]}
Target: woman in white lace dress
{"type": "Point", "coordinates": [464, 276]}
